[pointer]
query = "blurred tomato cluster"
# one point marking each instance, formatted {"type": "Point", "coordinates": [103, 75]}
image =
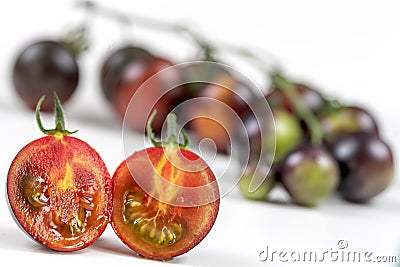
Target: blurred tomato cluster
{"type": "Point", "coordinates": [320, 146]}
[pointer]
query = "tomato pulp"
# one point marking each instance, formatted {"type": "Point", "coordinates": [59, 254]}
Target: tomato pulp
{"type": "Point", "coordinates": [59, 192]}
{"type": "Point", "coordinates": [165, 201]}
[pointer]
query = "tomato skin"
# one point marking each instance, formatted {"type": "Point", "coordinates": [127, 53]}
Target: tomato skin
{"type": "Point", "coordinates": [71, 171]}
{"type": "Point", "coordinates": [348, 120]}
{"type": "Point", "coordinates": [117, 64]}
{"type": "Point", "coordinates": [44, 67]}
{"type": "Point", "coordinates": [125, 71]}
{"type": "Point", "coordinates": [197, 221]}
{"type": "Point", "coordinates": [224, 103]}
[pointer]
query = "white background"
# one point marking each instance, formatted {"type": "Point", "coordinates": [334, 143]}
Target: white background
{"type": "Point", "coordinates": [350, 49]}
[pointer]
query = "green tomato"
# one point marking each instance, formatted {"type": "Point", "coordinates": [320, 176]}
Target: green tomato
{"type": "Point", "coordinates": [263, 190]}
{"type": "Point", "coordinates": [288, 133]}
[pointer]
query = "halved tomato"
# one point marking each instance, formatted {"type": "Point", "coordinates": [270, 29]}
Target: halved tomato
{"type": "Point", "coordinates": [165, 200]}
{"type": "Point", "coordinates": [59, 190]}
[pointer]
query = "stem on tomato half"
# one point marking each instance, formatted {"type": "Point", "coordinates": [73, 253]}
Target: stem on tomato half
{"type": "Point", "coordinates": [59, 118]}
{"type": "Point", "coordinates": [302, 111]}
{"type": "Point", "coordinates": [173, 130]}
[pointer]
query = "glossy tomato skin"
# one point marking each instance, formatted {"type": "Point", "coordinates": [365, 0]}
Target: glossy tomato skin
{"type": "Point", "coordinates": [366, 165]}
{"type": "Point", "coordinates": [127, 70]}
{"type": "Point", "coordinates": [42, 68]}
{"type": "Point", "coordinates": [188, 225]}
{"type": "Point", "coordinates": [59, 192]}
{"type": "Point", "coordinates": [347, 120]}
{"type": "Point", "coordinates": [309, 174]}
{"type": "Point", "coordinates": [115, 65]}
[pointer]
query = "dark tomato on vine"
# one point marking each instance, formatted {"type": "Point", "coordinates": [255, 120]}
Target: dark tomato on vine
{"type": "Point", "coordinates": [311, 98]}
{"type": "Point", "coordinates": [366, 165]}
{"type": "Point", "coordinates": [347, 120]}
{"type": "Point", "coordinates": [197, 74]}
{"type": "Point", "coordinates": [115, 65]}
{"type": "Point", "coordinates": [41, 69]}
{"type": "Point", "coordinates": [218, 109]}
{"type": "Point", "coordinates": [125, 71]}
{"type": "Point", "coordinates": [309, 174]}
{"type": "Point", "coordinates": [165, 199]}
{"type": "Point", "coordinates": [59, 189]}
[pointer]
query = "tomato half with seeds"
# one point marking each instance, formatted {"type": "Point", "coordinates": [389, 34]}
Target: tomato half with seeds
{"type": "Point", "coordinates": [59, 189]}
{"type": "Point", "coordinates": [165, 198]}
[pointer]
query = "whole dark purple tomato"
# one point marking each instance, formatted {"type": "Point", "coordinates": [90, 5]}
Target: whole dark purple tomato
{"type": "Point", "coordinates": [347, 120]}
{"type": "Point", "coordinates": [124, 72]}
{"type": "Point", "coordinates": [117, 63]}
{"type": "Point", "coordinates": [366, 165]}
{"type": "Point", "coordinates": [42, 68]}
{"type": "Point", "coordinates": [309, 174]}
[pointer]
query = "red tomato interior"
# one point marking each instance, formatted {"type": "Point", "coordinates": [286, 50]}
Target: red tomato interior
{"type": "Point", "coordinates": [153, 228]}
{"type": "Point", "coordinates": [59, 191]}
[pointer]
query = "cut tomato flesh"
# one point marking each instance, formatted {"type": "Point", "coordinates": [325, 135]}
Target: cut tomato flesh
{"type": "Point", "coordinates": [59, 192]}
{"type": "Point", "coordinates": [147, 188]}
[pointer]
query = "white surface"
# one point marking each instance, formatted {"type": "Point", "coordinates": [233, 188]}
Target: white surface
{"type": "Point", "coordinates": [348, 48]}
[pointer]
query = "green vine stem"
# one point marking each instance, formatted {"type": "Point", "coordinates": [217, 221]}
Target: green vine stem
{"type": "Point", "coordinates": [172, 132]}
{"type": "Point", "coordinates": [331, 105]}
{"type": "Point", "coordinates": [59, 118]}
{"type": "Point", "coordinates": [76, 40]}
{"type": "Point", "coordinates": [207, 49]}
{"type": "Point", "coordinates": [305, 113]}
{"type": "Point", "coordinates": [132, 19]}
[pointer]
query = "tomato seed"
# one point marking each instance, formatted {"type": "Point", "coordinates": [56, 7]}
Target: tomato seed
{"type": "Point", "coordinates": [34, 190]}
